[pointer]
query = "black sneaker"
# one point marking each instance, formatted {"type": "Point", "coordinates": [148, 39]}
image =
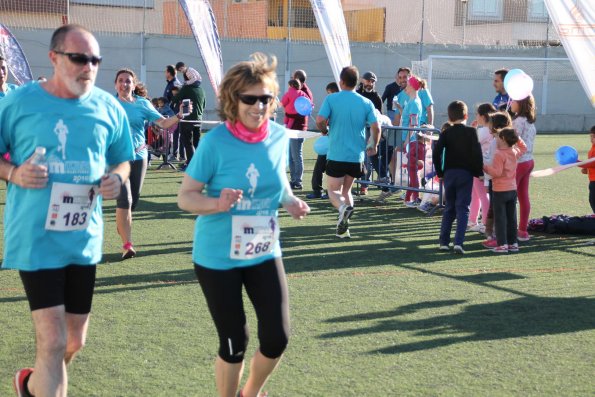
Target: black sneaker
{"type": "Point", "coordinates": [345, 215]}
{"type": "Point", "coordinates": [314, 195]}
{"type": "Point", "coordinates": [296, 186]}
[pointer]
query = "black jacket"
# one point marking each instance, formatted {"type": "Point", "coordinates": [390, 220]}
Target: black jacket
{"type": "Point", "coordinates": [460, 148]}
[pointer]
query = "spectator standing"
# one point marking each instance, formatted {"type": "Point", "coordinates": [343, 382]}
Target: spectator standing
{"type": "Point", "coordinates": [346, 114]}
{"type": "Point", "coordinates": [296, 145]}
{"type": "Point", "coordinates": [190, 126]}
{"type": "Point", "coordinates": [501, 100]}
{"type": "Point", "coordinates": [523, 123]}
{"type": "Point", "coordinates": [171, 81]}
{"type": "Point", "coordinates": [56, 243]}
{"type": "Point", "coordinates": [457, 159]}
{"type": "Point", "coordinates": [589, 170]}
{"type": "Point", "coordinates": [367, 90]}
{"type": "Point", "coordinates": [320, 165]}
{"type": "Point", "coordinates": [393, 89]}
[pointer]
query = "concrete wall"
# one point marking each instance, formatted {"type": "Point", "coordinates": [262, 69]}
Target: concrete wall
{"type": "Point", "coordinates": [568, 108]}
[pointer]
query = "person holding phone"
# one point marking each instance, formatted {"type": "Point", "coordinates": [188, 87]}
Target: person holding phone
{"type": "Point", "coordinates": [190, 125]}
{"type": "Point", "coordinates": [139, 111]}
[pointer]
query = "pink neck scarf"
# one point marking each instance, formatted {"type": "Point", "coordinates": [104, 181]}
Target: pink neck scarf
{"type": "Point", "coordinates": [245, 135]}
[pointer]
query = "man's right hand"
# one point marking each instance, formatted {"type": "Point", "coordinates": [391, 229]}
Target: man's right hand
{"type": "Point", "coordinates": [30, 176]}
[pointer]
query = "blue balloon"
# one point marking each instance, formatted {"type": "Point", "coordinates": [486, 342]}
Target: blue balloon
{"type": "Point", "coordinates": [566, 155]}
{"type": "Point", "coordinates": [321, 145]}
{"type": "Point", "coordinates": [303, 105]}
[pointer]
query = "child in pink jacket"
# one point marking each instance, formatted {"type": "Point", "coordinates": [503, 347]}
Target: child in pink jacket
{"type": "Point", "coordinates": [504, 188]}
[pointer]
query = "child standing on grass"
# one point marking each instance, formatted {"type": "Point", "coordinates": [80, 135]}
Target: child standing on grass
{"type": "Point", "coordinates": [480, 197]}
{"type": "Point", "coordinates": [503, 171]}
{"type": "Point", "coordinates": [589, 169]}
{"type": "Point", "coordinates": [523, 122]}
{"type": "Point", "coordinates": [497, 121]}
{"type": "Point", "coordinates": [416, 155]}
{"type": "Point", "coordinates": [457, 159]}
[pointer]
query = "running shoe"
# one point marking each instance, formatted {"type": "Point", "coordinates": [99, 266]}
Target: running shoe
{"type": "Point", "coordinates": [490, 243]}
{"type": "Point", "coordinates": [19, 381]}
{"type": "Point", "coordinates": [444, 248]}
{"type": "Point", "coordinates": [344, 215]}
{"type": "Point", "coordinates": [501, 249]}
{"type": "Point", "coordinates": [129, 251]}
{"type": "Point", "coordinates": [513, 247]}
{"type": "Point", "coordinates": [457, 249]}
{"type": "Point", "coordinates": [314, 195]}
{"type": "Point", "coordinates": [425, 207]}
{"type": "Point", "coordinates": [363, 191]}
{"type": "Point", "coordinates": [476, 227]}
{"type": "Point", "coordinates": [411, 204]}
{"type": "Point", "coordinates": [523, 236]}
{"type": "Point", "coordinates": [343, 232]}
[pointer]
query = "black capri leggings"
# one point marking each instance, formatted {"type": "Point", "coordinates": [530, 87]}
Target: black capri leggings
{"type": "Point", "coordinates": [267, 289]}
{"type": "Point", "coordinates": [130, 192]}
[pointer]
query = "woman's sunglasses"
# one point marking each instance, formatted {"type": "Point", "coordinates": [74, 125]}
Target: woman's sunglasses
{"type": "Point", "coordinates": [251, 99]}
{"type": "Point", "coordinates": [81, 59]}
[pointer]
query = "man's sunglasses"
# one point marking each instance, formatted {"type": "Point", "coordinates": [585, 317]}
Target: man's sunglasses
{"type": "Point", "coordinates": [251, 99]}
{"type": "Point", "coordinates": [81, 59]}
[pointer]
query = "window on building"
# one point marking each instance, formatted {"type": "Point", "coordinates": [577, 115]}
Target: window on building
{"type": "Point", "coordinates": [116, 3]}
{"type": "Point", "coordinates": [537, 11]}
{"type": "Point", "coordinates": [484, 10]}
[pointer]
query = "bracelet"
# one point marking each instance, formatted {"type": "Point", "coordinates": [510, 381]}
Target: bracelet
{"type": "Point", "coordinates": [10, 173]}
{"type": "Point", "coordinates": [178, 116]}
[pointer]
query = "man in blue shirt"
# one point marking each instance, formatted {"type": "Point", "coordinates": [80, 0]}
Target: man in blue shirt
{"type": "Point", "coordinates": [347, 113]}
{"type": "Point", "coordinates": [501, 100]}
{"type": "Point", "coordinates": [53, 226]}
{"type": "Point", "coordinates": [5, 87]}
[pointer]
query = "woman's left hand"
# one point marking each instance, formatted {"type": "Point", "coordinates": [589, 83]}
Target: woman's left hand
{"type": "Point", "coordinates": [297, 208]}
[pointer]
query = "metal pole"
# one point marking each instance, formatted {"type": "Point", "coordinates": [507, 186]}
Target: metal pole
{"type": "Point", "coordinates": [544, 86]}
{"type": "Point", "coordinates": [143, 66]}
{"type": "Point", "coordinates": [225, 19]}
{"type": "Point", "coordinates": [464, 21]}
{"type": "Point", "coordinates": [421, 40]}
{"type": "Point", "coordinates": [288, 44]}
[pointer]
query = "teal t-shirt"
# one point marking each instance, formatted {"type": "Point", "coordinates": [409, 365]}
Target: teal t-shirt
{"type": "Point", "coordinates": [9, 88]}
{"type": "Point", "coordinates": [347, 113]}
{"type": "Point", "coordinates": [140, 112]}
{"type": "Point", "coordinates": [413, 106]}
{"type": "Point", "coordinates": [82, 137]}
{"type": "Point", "coordinates": [426, 100]}
{"type": "Point", "coordinates": [223, 161]}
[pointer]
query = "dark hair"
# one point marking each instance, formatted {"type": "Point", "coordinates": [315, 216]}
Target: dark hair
{"type": "Point", "coordinates": [300, 75]}
{"type": "Point", "coordinates": [162, 99]}
{"type": "Point", "coordinates": [593, 129]}
{"type": "Point", "coordinates": [139, 88]}
{"type": "Point", "coordinates": [349, 76]}
{"type": "Point", "coordinates": [171, 69]}
{"type": "Point", "coordinates": [502, 73]}
{"type": "Point", "coordinates": [179, 65]}
{"type": "Point", "coordinates": [60, 34]}
{"type": "Point", "coordinates": [457, 110]}
{"type": "Point", "coordinates": [2, 58]}
{"type": "Point", "coordinates": [509, 136]}
{"type": "Point", "coordinates": [499, 120]}
{"type": "Point", "coordinates": [445, 126]}
{"type": "Point", "coordinates": [526, 109]}
{"type": "Point", "coordinates": [294, 83]}
{"type": "Point", "coordinates": [332, 87]}
{"type": "Point", "coordinates": [485, 109]}
{"type": "Point", "coordinates": [404, 69]}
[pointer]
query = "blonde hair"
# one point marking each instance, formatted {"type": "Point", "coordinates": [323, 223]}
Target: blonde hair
{"type": "Point", "coordinates": [260, 69]}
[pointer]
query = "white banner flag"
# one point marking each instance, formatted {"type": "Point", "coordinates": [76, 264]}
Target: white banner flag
{"type": "Point", "coordinates": [15, 57]}
{"type": "Point", "coordinates": [574, 21]}
{"type": "Point", "coordinates": [204, 28]}
{"type": "Point", "coordinates": [331, 22]}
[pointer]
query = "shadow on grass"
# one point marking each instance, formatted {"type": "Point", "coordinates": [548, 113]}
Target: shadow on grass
{"type": "Point", "coordinates": [521, 317]}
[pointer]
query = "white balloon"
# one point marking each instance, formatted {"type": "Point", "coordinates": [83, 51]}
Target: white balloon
{"type": "Point", "coordinates": [520, 86]}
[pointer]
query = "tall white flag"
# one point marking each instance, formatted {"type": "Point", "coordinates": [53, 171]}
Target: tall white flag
{"type": "Point", "coordinates": [15, 57]}
{"type": "Point", "coordinates": [204, 28]}
{"type": "Point", "coordinates": [331, 22]}
{"type": "Point", "coordinates": [574, 21]}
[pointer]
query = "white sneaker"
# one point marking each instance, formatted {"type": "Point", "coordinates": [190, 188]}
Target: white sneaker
{"type": "Point", "coordinates": [383, 196]}
{"type": "Point", "coordinates": [457, 249]}
{"type": "Point", "coordinates": [478, 227]}
{"type": "Point", "coordinates": [345, 213]}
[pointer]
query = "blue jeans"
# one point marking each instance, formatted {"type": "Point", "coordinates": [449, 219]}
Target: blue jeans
{"type": "Point", "coordinates": [458, 185]}
{"type": "Point", "coordinates": [296, 160]}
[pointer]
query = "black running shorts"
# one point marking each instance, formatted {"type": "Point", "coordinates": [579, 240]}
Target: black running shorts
{"type": "Point", "coordinates": [71, 286]}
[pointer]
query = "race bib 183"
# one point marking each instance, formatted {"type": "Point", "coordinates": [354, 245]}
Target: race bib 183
{"type": "Point", "coordinates": [71, 206]}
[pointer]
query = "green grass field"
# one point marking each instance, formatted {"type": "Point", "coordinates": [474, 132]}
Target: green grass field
{"type": "Point", "coordinates": [383, 314]}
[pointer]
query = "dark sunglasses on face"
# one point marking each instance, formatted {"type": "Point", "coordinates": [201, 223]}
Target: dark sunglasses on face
{"type": "Point", "coordinates": [81, 59]}
{"type": "Point", "coordinates": [251, 99]}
